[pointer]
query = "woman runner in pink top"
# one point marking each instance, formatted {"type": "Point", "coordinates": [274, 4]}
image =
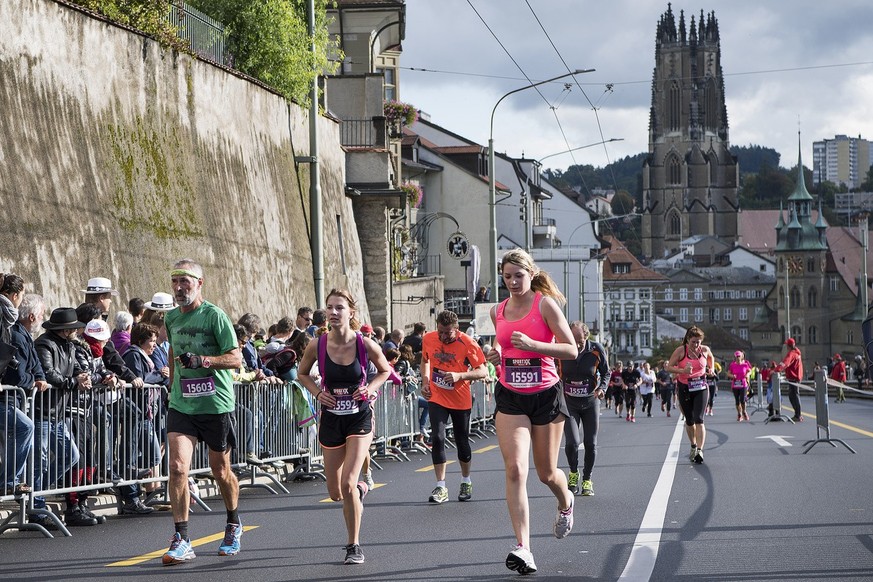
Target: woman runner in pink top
{"type": "Point", "coordinates": [531, 332]}
{"type": "Point", "coordinates": [691, 362]}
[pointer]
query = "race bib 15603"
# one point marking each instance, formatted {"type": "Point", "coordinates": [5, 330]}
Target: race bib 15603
{"type": "Point", "coordinates": [197, 387]}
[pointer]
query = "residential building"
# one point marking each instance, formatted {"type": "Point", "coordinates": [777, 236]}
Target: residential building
{"type": "Point", "coordinates": [722, 300]}
{"type": "Point", "coordinates": [370, 35]}
{"type": "Point", "coordinates": [841, 160]}
{"type": "Point", "coordinates": [629, 303]}
{"type": "Point", "coordinates": [849, 205]}
{"type": "Point", "coordinates": [689, 176]}
{"type": "Point", "coordinates": [453, 174]}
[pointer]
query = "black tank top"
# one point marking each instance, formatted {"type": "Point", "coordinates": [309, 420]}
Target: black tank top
{"type": "Point", "coordinates": [337, 376]}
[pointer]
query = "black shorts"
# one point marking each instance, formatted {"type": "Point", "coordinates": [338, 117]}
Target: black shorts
{"type": "Point", "coordinates": [334, 429]}
{"type": "Point", "coordinates": [540, 407]}
{"type": "Point", "coordinates": [216, 430]}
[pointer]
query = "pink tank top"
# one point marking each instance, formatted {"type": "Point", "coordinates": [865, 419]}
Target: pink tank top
{"type": "Point", "coordinates": [522, 371]}
{"type": "Point", "coordinates": [695, 380]}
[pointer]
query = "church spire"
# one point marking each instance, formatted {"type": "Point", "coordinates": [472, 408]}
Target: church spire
{"type": "Point", "coordinates": [800, 192]}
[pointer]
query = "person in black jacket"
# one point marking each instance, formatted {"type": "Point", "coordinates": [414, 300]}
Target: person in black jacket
{"type": "Point", "coordinates": [26, 374]}
{"type": "Point", "coordinates": [52, 437]}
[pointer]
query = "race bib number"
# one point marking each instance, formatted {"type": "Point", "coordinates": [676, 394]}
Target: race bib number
{"type": "Point", "coordinates": [696, 384]}
{"type": "Point", "coordinates": [580, 388]}
{"type": "Point", "coordinates": [345, 404]}
{"type": "Point", "coordinates": [197, 387]}
{"type": "Point", "coordinates": [524, 372]}
{"type": "Point", "coordinates": [738, 384]}
{"type": "Point", "coordinates": [438, 377]}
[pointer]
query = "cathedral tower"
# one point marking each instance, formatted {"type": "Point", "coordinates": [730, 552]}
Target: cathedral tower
{"type": "Point", "coordinates": [689, 177]}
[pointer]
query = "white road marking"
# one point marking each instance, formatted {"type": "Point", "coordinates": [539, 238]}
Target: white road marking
{"type": "Point", "coordinates": [778, 439]}
{"type": "Point", "coordinates": [645, 550]}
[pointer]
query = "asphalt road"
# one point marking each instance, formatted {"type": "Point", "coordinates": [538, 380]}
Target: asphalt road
{"type": "Point", "coordinates": [757, 509]}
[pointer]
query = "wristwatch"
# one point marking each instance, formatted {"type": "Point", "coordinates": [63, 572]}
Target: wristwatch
{"type": "Point", "coordinates": [206, 362]}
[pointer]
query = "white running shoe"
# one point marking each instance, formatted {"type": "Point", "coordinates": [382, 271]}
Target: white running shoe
{"type": "Point", "coordinates": [521, 560]}
{"type": "Point", "coordinates": [564, 522]}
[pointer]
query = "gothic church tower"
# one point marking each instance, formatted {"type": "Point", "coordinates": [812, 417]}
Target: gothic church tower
{"type": "Point", "coordinates": [689, 177]}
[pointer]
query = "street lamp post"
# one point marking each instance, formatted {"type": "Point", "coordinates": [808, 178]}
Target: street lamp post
{"type": "Point", "coordinates": [492, 194]}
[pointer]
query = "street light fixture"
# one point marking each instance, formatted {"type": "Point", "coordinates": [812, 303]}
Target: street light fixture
{"type": "Point", "coordinates": [492, 194]}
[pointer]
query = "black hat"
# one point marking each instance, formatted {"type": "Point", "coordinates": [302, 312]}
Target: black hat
{"type": "Point", "coordinates": [63, 318]}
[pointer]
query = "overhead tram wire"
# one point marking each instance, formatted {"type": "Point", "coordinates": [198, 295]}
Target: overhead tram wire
{"type": "Point", "coordinates": [596, 114]}
{"type": "Point", "coordinates": [593, 108]}
{"type": "Point", "coordinates": [646, 81]}
{"type": "Point", "coordinates": [511, 58]}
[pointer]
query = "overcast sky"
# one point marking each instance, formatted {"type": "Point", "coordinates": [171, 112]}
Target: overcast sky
{"type": "Point", "coordinates": [786, 62]}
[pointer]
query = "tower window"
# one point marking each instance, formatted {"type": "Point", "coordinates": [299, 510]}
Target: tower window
{"type": "Point", "coordinates": [674, 170]}
{"type": "Point", "coordinates": [674, 105]}
{"type": "Point", "coordinates": [675, 223]}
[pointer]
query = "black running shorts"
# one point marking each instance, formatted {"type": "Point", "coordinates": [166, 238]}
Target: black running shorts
{"type": "Point", "coordinates": [216, 430]}
{"type": "Point", "coordinates": [334, 429]}
{"type": "Point", "coordinates": [540, 407]}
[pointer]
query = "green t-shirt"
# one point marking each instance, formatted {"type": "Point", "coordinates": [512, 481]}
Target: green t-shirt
{"type": "Point", "coordinates": [206, 331]}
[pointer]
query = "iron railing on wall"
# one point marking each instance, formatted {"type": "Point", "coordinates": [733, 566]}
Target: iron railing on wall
{"type": "Point", "coordinates": [363, 132]}
{"type": "Point", "coordinates": [205, 36]}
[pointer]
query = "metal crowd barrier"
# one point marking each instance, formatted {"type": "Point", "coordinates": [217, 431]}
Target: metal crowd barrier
{"type": "Point", "coordinates": [822, 417]}
{"type": "Point", "coordinates": [103, 440]}
{"type": "Point", "coordinates": [777, 379]}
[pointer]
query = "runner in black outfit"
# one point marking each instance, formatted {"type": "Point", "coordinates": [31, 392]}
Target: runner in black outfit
{"type": "Point", "coordinates": [585, 380]}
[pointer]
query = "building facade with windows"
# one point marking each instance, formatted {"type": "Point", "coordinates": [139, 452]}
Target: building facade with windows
{"type": "Point", "coordinates": [841, 160]}
{"type": "Point", "coordinates": [629, 313]}
{"type": "Point", "coordinates": [724, 301]}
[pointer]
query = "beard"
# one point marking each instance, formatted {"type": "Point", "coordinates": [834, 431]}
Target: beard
{"type": "Point", "coordinates": [185, 300]}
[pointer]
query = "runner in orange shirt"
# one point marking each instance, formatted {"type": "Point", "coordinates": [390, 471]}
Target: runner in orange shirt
{"type": "Point", "coordinates": [449, 360]}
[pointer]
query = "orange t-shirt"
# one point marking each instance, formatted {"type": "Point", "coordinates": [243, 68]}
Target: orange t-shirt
{"type": "Point", "coordinates": [459, 356]}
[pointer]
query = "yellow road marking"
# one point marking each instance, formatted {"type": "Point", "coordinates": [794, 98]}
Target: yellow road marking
{"type": "Point", "coordinates": [329, 500]}
{"type": "Point", "coordinates": [152, 555]}
{"type": "Point", "coordinates": [485, 449]}
{"type": "Point", "coordinates": [860, 431]}
{"type": "Point", "coordinates": [430, 467]}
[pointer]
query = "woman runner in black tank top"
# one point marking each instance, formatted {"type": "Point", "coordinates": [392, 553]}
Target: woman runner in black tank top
{"type": "Point", "coordinates": [345, 426]}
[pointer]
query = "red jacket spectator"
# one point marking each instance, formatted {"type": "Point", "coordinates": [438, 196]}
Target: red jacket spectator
{"type": "Point", "coordinates": [838, 372]}
{"type": "Point", "coordinates": [792, 364]}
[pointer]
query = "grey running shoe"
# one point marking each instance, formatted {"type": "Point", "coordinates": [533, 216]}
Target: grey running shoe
{"type": "Point", "coordinates": [587, 488]}
{"type": "Point", "coordinates": [439, 495]}
{"type": "Point", "coordinates": [521, 560]}
{"type": "Point", "coordinates": [354, 555]}
{"type": "Point", "coordinates": [466, 492]}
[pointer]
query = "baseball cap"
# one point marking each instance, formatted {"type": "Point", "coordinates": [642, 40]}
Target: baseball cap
{"type": "Point", "coordinates": [790, 342]}
{"type": "Point", "coordinates": [366, 328]}
{"type": "Point", "coordinates": [97, 329]}
{"type": "Point", "coordinates": [738, 353]}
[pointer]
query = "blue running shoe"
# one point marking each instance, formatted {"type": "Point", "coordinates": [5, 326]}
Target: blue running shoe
{"type": "Point", "coordinates": [230, 546]}
{"type": "Point", "coordinates": [180, 551]}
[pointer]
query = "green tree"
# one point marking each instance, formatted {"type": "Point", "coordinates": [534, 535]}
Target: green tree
{"type": "Point", "coordinates": [148, 16]}
{"type": "Point", "coordinates": [663, 350]}
{"type": "Point", "coordinates": [269, 41]}
{"type": "Point", "coordinates": [622, 203]}
{"type": "Point", "coordinates": [867, 185]}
